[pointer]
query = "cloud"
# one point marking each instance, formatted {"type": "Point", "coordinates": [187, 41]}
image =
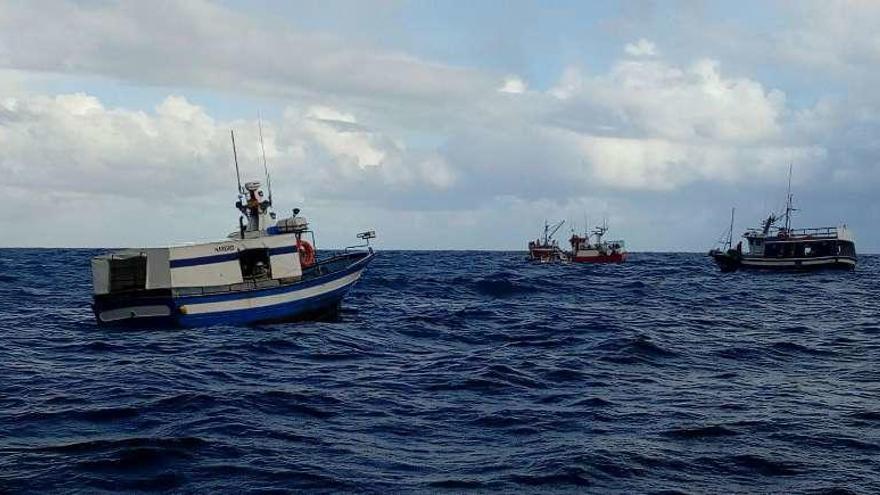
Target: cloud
{"type": "Point", "coordinates": [513, 85]}
{"type": "Point", "coordinates": [836, 36]}
{"type": "Point", "coordinates": [652, 125]}
{"type": "Point", "coordinates": [72, 143]}
{"type": "Point", "coordinates": [340, 136]}
{"type": "Point", "coordinates": [641, 48]}
{"type": "Point", "coordinates": [200, 43]}
{"type": "Point", "coordinates": [377, 129]}
{"type": "Point", "coordinates": [645, 125]}
{"type": "Point", "coordinates": [656, 99]}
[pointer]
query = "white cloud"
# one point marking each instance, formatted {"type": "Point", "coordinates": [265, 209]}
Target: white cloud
{"type": "Point", "coordinates": [513, 85]}
{"type": "Point", "coordinates": [656, 99]}
{"type": "Point", "coordinates": [340, 136]}
{"type": "Point", "coordinates": [72, 143]}
{"type": "Point", "coordinates": [641, 48]}
{"type": "Point", "coordinates": [652, 125]}
{"type": "Point", "coordinates": [660, 164]}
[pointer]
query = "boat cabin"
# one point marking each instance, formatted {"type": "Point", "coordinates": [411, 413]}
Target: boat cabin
{"type": "Point", "coordinates": [230, 263]}
{"type": "Point", "coordinates": [801, 243]}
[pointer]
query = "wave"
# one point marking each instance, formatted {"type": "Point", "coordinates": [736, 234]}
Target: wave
{"type": "Point", "coordinates": [501, 287]}
{"type": "Point", "coordinates": [453, 372]}
{"type": "Point", "coordinates": [315, 405]}
{"type": "Point", "coordinates": [457, 484]}
{"type": "Point", "coordinates": [573, 477]}
{"type": "Point", "coordinates": [699, 432]}
{"type": "Point", "coordinates": [753, 464]}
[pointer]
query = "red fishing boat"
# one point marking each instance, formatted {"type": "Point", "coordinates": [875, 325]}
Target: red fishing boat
{"type": "Point", "coordinates": [546, 249]}
{"type": "Point", "coordinates": [583, 250]}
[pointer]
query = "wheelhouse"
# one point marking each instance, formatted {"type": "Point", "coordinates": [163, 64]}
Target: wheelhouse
{"type": "Point", "coordinates": [802, 243]}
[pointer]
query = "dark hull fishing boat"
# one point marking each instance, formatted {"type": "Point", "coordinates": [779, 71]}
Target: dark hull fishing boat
{"type": "Point", "coordinates": [782, 248]}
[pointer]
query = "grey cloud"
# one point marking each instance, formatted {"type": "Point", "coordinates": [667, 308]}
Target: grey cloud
{"type": "Point", "coordinates": [200, 43]}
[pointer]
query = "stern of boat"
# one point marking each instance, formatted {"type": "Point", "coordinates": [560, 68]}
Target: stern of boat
{"type": "Point", "coordinates": [728, 261]}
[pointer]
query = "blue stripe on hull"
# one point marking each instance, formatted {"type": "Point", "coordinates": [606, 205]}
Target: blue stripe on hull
{"type": "Point", "coordinates": [221, 258]}
{"type": "Point", "coordinates": [323, 279]}
{"type": "Point", "coordinates": [284, 311]}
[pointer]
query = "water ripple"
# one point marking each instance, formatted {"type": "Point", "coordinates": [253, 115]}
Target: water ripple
{"type": "Point", "coordinates": [453, 372]}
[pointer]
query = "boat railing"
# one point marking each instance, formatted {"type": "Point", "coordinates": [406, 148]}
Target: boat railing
{"type": "Point", "coordinates": [823, 232]}
{"type": "Point", "coordinates": [799, 234]}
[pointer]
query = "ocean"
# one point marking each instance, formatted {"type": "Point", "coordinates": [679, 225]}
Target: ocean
{"type": "Point", "coordinates": [455, 371]}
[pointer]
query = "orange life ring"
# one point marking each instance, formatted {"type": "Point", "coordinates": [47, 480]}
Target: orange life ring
{"type": "Point", "coordinates": [306, 253]}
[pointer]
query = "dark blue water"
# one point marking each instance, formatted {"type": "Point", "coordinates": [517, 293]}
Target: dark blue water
{"type": "Point", "coordinates": [452, 372]}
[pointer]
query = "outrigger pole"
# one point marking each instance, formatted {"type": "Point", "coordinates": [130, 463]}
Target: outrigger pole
{"type": "Point", "coordinates": [263, 149]}
{"type": "Point", "coordinates": [235, 157]}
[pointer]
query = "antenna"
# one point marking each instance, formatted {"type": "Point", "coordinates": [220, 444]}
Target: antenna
{"type": "Point", "coordinates": [235, 156]}
{"type": "Point", "coordinates": [263, 149]}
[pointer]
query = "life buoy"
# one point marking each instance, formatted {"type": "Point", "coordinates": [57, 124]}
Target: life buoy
{"type": "Point", "coordinates": [306, 253]}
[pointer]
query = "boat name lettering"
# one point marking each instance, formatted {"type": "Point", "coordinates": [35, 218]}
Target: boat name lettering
{"type": "Point", "coordinates": [224, 249]}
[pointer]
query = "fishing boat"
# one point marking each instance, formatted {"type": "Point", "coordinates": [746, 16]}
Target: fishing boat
{"type": "Point", "coordinates": [545, 249]}
{"type": "Point", "coordinates": [598, 250]}
{"type": "Point", "coordinates": [264, 271]}
{"type": "Point", "coordinates": [778, 246]}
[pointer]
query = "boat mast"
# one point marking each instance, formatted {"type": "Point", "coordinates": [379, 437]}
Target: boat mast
{"type": "Point", "coordinates": [263, 149]}
{"type": "Point", "coordinates": [730, 232]}
{"type": "Point", "coordinates": [788, 202]}
{"type": "Point", "coordinates": [235, 157]}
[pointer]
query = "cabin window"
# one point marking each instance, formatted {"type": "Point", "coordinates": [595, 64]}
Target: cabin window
{"type": "Point", "coordinates": [128, 273]}
{"type": "Point", "coordinates": [846, 248]}
{"type": "Point", "coordinates": [255, 264]}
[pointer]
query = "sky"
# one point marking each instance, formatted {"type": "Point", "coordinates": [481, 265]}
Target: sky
{"type": "Point", "coordinates": [439, 124]}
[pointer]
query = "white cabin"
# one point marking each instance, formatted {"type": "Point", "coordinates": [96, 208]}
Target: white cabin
{"type": "Point", "coordinates": [223, 263]}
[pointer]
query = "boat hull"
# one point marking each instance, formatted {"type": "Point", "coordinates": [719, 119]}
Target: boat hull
{"type": "Point", "coordinates": [729, 263]}
{"type": "Point", "coordinates": [599, 258]}
{"type": "Point", "coordinates": [313, 297]}
{"type": "Point", "coordinates": [545, 255]}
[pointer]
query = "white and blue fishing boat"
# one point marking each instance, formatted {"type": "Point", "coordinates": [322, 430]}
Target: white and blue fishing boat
{"type": "Point", "coordinates": [265, 271]}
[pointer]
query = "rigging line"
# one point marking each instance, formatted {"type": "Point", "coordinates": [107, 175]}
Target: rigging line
{"type": "Point", "coordinates": [263, 149]}
{"type": "Point", "coordinates": [235, 157]}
